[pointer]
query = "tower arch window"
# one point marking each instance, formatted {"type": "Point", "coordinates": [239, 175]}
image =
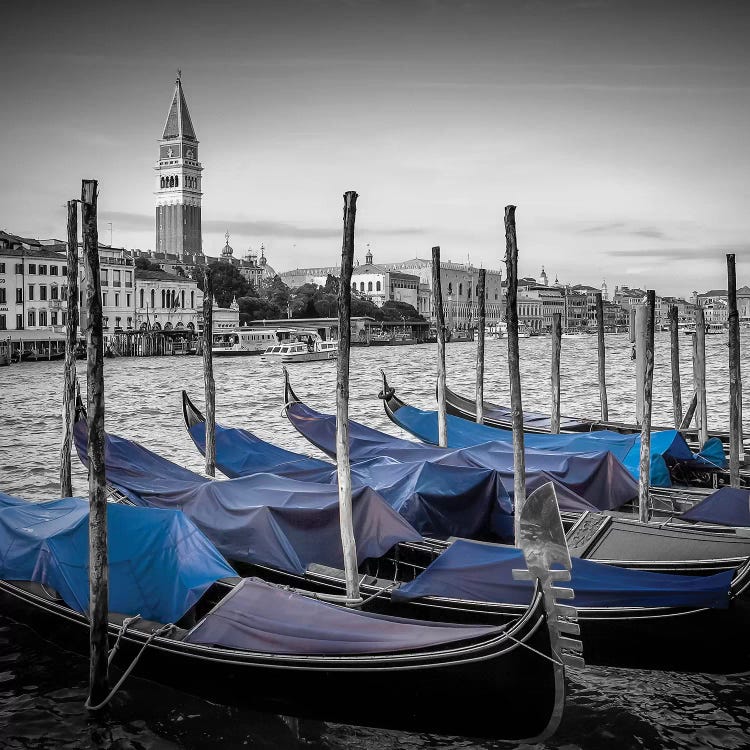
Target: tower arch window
{"type": "Point", "coordinates": [163, 298]}
{"type": "Point", "coordinates": [177, 182]}
{"type": "Point", "coordinates": [192, 299]}
{"type": "Point", "coordinates": [182, 298]}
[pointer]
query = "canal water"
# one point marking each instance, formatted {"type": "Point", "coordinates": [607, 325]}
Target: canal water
{"type": "Point", "coordinates": [42, 690]}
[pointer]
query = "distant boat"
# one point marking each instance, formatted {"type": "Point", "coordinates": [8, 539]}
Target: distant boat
{"type": "Point", "coordinates": [242, 342]}
{"type": "Point", "coordinates": [302, 345]}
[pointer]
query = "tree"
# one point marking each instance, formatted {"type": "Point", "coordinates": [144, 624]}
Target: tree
{"type": "Point", "coordinates": [142, 263]}
{"type": "Point", "coordinates": [394, 310]}
{"type": "Point", "coordinates": [227, 283]}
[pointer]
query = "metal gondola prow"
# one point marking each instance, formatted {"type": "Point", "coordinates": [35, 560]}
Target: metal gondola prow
{"type": "Point", "coordinates": [542, 540]}
{"type": "Point", "coordinates": [290, 397]}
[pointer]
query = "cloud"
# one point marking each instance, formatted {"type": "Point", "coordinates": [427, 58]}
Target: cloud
{"type": "Point", "coordinates": [625, 228]}
{"type": "Point", "coordinates": [681, 253]}
{"type": "Point", "coordinates": [268, 228]}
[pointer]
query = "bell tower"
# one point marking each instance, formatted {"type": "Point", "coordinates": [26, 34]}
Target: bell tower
{"type": "Point", "coordinates": [178, 182]}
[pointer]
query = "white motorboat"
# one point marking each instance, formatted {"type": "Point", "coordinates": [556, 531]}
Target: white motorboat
{"type": "Point", "coordinates": [299, 345]}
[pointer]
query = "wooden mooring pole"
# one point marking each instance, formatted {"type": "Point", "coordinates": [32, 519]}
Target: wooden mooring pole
{"type": "Point", "coordinates": [208, 374]}
{"type": "Point", "coordinates": [602, 362]}
{"type": "Point", "coordinates": [514, 367]}
{"type": "Point", "coordinates": [71, 340]}
{"type": "Point", "coordinates": [699, 371]}
{"type": "Point", "coordinates": [481, 319]}
{"type": "Point", "coordinates": [556, 335]}
{"type": "Point", "coordinates": [735, 381]}
{"type": "Point", "coordinates": [644, 477]}
{"type": "Point", "coordinates": [641, 335]}
{"type": "Point", "coordinates": [348, 542]}
{"type": "Point", "coordinates": [674, 340]}
{"type": "Point", "coordinates": [437, 303]}
{"type": "Point", "coordinates": [98, 560]}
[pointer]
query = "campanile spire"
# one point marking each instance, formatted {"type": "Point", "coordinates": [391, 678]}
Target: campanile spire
{"type": "Point", "coordinates": [178, 182]}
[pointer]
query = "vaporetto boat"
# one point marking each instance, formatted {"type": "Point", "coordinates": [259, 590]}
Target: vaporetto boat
{"type": "Point", "coordinates": [242, 341]}
{"type": "Point", "coordinates": [299, 345]}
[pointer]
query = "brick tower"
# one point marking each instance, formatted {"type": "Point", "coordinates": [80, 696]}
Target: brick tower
{"type": "Point", "coordinates": [178, 183]}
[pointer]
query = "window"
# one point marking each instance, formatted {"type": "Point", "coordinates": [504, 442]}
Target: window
{"type": "Point", "coordinates": [2, 267]}
{"type": "Point", "coordinates": [117, 322]}
{"type": "Point", "coordinates": [142, 296]}
{"type": "Point", "coordinates": [127, 300]}
{"type": "Point", "coordinates": [377, 286]}
{"type": "Point", "coordinates": [128, 278]}
{"type": "Point", "coordinates": [2, 296]}
{"type": "Point", "coordinates": [42, 270]}
{"type": "Point", "coordinates": [362, 286]}
{"type": "Point", "coordinates": [53, 292]}
{"type": "Point", "coordinates": [460, 289]}
{"type": "Point", "coordinates": [53, 318]}
{"type": "Point", "coordinates": [43, 292]}
{"type": "Point", "coordinates": [64, 318]}
{"type": "Point", "coordinates": [163, 298]}
{"type": "Point", "coordinates": [42, 317]}
{"type": "Point", "coordinates": [32, 267]}
{"type": "Point", "coordinates": [3, 326]}
{"type": "Point", "coordinates": [354, 286]}
{"type": "Point", "coordinates": [130, 322]}
{"type": "Point", "coordinates": [19, 322]}
{"type": "Point", "coordinates": [117, 300]}
{"type": "Point", "coordinates": [182, 298]}
{"type": "Point", "coordinates": [19, 296]}
{"type": "Point", "coordinates": [63, 292]}
{"type": "Point", "coordinates": [369, 286]}
{"type": "Point", "coordinates": [104, 299]}
{"type": "Point", "coordinates": [105, 322]}
{"type": "Point", "coordinates": [153, 298]}
{"type": "Point", "coordinates": [32, 318]}
{"type": "Point", "coordinates": [192, 299]}
{"type": "Point", "coordinates": [64, 270]}
{"type": "Point", "coordinates": [450, 288]}
{"type": "Point", "coordinates": [103, 276]}
{"type": "Point", "coordinates": [31, 292]}
{"type": "Point", "coordinates": [53, 270]}
{"type": "Point", "coordinates": [116, 278]}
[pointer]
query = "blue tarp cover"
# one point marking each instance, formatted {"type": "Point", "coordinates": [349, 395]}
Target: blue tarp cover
{"type": "Point", "coordinates": [437, 500]}
{"type": "Point", "coordinates": [262, 519]}
{"type": "Point", "coordinates": [667, 446]}
{"type": "Point", "coordinates": [483, 572]}
{"type": "Point", "coordinates": [258, 616]}
{"type": "Point", "coordinates": [160, 564]}
{"type": "Point", "coordinates": [591, 481]}
{"type": "Point", "coordinates": [729, 506]}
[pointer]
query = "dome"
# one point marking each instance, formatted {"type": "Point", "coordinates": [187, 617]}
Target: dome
{"type": "Point", "coordinates": [227, 251]}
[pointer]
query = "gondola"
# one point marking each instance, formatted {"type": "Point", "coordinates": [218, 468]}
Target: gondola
{"type": "Point", "coordinates": [432, 574]}
{"type": "Point", "coordinates": [695, 549]}
{"type": "Point", "coordinates": [248, 642]}
{"type": "Point", "coordinates": [672, 461]}
{"type": "Point", "coordinates": [495, 415]}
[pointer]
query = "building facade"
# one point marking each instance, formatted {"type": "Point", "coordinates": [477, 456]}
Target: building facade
{"type": "Point", "coordinates": [167, 302]}
{"type": "Point", "coordinates": [178, 183]}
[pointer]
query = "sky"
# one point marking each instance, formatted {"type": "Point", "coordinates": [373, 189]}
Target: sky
{"type": "Point", "coordinates": [618, 128]}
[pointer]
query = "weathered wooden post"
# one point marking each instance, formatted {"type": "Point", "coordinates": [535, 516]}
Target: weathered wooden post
{"type": "Point", "coordinates": [556, 335]}
{"type": "Point", "coordinates": [98, 559]}
{"type": "Point", "coordinates": [437, 302]}
{"type": "Point", "coordinates": [674, 339]}
{"type": "Point", "coordinates": [602, 368]}
{"type": "Point", "coordinates": [735, 382]}
{"type": "Point", "coordinates": [641, 334]}
{"type": "Point", "coordinates": [208, 374]}
{"type": "Point", "coordinates": [69, 369]}
{"type": "Point", "coordinates": [348, 542]}
{"type": "Point", "coordinates": [644, 478]}
{"type": "Point", "coordinates": [631, 324]}
{"type": "Point", "coordinates": [700, 374]}
{"type": "Point", "coordinates": [481, 319]}
{"type": "Point", "coordinates": [514, 368]}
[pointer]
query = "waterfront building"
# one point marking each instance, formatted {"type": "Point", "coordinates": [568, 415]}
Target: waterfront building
{"type": "Point", "coordinates": [530, 314]}
{"type": "Point", "coordinates": [33, 290]}
{"type": "Point", "coordinates": [575, 313]}
{"type": "Point", "coordinates": [298, 277]}
{"type": "Point", "coordinates": [167, 302]}
{"type": "Point", "coordinates": [116, 273]}
{"type": "Point", "coordinates": [459, 286]}
{"type": "Point", "coordinates": [224, 319]}
{"type": "Point", "coordinates": [743, 303]}
{"type": "Point", "coordinates": [178, 185]}
{"type": "Point", "coordinates": [551, 301]}
{"type": "Point", "coordinates": [380, 284]}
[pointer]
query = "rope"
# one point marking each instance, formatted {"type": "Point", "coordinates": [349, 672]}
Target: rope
{"type": "Point", "coordinates": [160, 631]}
{"type": "Point", "coordinates": [557, 661]}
